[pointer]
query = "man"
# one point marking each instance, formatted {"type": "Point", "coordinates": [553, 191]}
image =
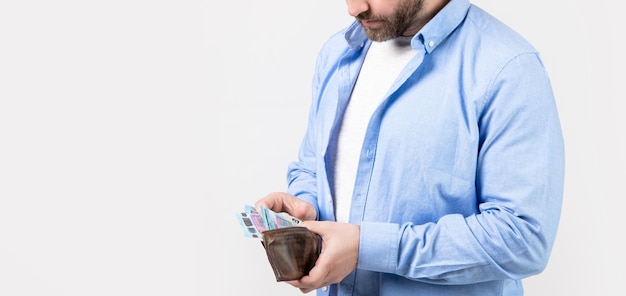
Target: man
{"type": "Point", "coordinates": [433, 160]}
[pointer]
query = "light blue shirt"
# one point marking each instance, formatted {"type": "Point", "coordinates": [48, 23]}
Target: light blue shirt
{"type": "Point", "coordinates": [460, 180]}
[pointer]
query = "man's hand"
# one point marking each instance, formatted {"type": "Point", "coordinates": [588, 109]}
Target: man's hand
{"type": "Point", "coordinates": [285, 202]}
{"type": "Point", "coordinates": [340, 251]}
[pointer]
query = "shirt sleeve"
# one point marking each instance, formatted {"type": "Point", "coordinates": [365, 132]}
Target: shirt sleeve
{"type": "Point", "coordinates": [519, 186]}
{"type": "Point", "coordinates": [302, 174]}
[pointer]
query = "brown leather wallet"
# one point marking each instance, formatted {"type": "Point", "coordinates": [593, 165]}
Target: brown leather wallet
{"type": "Point", "coordinates": [291, 251]}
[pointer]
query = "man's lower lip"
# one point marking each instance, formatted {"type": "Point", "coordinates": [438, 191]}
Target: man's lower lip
{"type": "Point", "coordinates": [370, 23]}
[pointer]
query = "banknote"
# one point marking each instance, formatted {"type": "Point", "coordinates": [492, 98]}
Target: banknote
{"type": "Point", "coordinates": [250, 229]}
{"type": "Point", "coordinates": [275, 220]}
{"type": "Point", "coordinates": [254, 222]}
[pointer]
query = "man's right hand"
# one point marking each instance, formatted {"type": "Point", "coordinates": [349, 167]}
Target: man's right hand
{"type": "Point", "coordinates": [285, 202]}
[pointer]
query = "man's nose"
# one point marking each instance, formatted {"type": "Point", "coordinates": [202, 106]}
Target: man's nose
{"type": "Point", "coordinates": [355, 7]}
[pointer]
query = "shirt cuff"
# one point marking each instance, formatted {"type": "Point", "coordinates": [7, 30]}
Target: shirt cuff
{"type": "Point", "coordinates": [378, 247]}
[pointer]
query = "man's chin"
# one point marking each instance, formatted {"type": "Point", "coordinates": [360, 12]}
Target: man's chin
{"type": "Point", "coordinates": [378, 33]}
{"type": "Point", "coordinates": [377, 36]}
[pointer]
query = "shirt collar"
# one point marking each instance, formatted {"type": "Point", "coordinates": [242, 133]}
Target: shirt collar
{"type": "Point", "coordinates": [430, 36]}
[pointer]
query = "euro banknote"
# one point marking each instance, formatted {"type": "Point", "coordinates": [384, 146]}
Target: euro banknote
{"type": "Point", "coordinates": [254, 222]}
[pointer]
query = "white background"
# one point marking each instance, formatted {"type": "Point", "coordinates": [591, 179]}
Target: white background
{"type": "Point", "coordinates": [132, 132]}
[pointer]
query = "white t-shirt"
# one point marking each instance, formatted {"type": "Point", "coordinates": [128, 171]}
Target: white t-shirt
{"type": "Point", "coordinates": [381, 67]}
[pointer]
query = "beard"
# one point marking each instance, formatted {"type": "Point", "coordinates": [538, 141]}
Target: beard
{"type": "Point", "coordinates": [392, 26]}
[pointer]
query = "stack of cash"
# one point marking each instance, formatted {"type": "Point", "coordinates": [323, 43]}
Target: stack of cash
{"type": "Point", "coordinates": [254, 222]}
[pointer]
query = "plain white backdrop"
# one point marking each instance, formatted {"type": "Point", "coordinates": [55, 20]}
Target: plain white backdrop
{"type": "Point", "coordinates": [132, 132]}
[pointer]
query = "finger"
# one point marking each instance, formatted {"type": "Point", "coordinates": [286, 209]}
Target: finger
{"type": "Point", "coordinates": [273, 201]}
{"type": "Point", "coordinates": [316, 278]}
{"type": "Point", "coordinates": [298, 284]}
{"type": "Point", "coordinates": [305, 290]}
{"type": "Point", "coordinates": [285, 202]}
{"type": "Point", "coordinates": [298, 208]}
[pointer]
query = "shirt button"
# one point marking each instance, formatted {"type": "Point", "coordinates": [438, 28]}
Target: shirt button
{"type": "Point", "coordinates": [324, 289]}
{"type": "Point", "coordinates": [431, 43]}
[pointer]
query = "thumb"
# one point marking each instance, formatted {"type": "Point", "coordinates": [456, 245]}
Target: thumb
{"type": "Point", "coordinates": [315, 226]}
{"type": "Point", "coordinates": [304, 211]}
